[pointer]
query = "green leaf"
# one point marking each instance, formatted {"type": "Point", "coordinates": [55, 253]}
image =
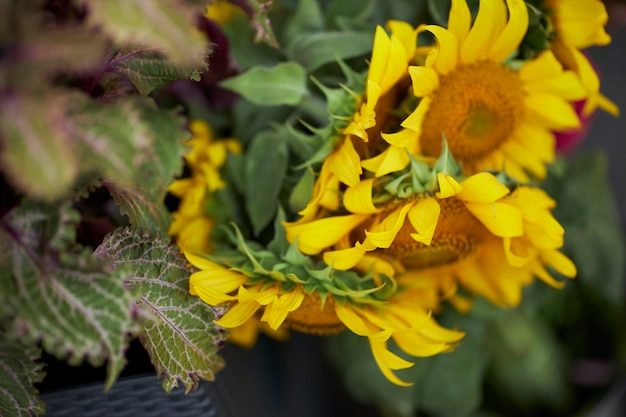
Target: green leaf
{"type": "Point", "coordinates": [19, 371]}
{"type": "Point", "coordinates": [587, 209]}
{"type": "Point", "coordinates": [348, 14]}
{"type": "Point", "coordinates": [149, 70]}
{"type": "Point", "coordinates": [245, 53]}
{"type": "Point", "coordinates": [439, 10]}
{"type": "Point", "coordinates": [137, 148]}
{"type": "Point", "coordinates": [35, 150]}
{"type": "Point", "coordinates": [250, 119]}
{"type": "Point", "coordinates": [284, 83]}
{"type": "Point", "coordinates": [301, 193]}
{"type": "Point", "coordinates": [63, 296]}
{"type": "Point", "coordinates": [182, 340]}
{"type": "Point", "coordinates": [313, 50]}
{"type": "Point", "coordinates": [446, 384]}
{"type": "Point", "coordinates": [266, 165]}
{"type": "Point", "coordinates": [527, 364]}
{"type": "Point", "coordinates": [167, 25]}
{"type": "Point", "coordinates": [307, 18]}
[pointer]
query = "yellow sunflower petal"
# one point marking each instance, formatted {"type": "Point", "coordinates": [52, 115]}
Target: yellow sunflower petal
{"type": "Point", "coordinates": [218, 279]}
{"type": "Point", "coordinates": [437, 333]}
{"type": "Point", "coordinates": [448, 186]}
{"type": "Point", "coordinates": [276, 312]}
{"type": "Point", "coordinates": [405, 138]}
{"type": "Point", "coordinates": [389, 60]}
{"type": "Point", "coordinates": [201, 262]}
{"type": "Point", "coordinates": [380, 52]}
{"type": "Point", "coordinates": [238, 314]}
{"type": "Point", "coordinates": [245, 335]}
{"type": "Point", "coordinates": [491, 18]}
{"type": "Point", "coordinates": [346, 164]}
{"type": "Point", "coordinates": [358, 199]}
{"type": "Point", "coordinates": [581, 23]}
{"type": "Point", "coordinates": [543, 275]}
{"type": "Point", "coordinates": [354, 322]}
{"type": "Point", "coordinates": [180, 187]}
{"type": "Point", "coordinates": [344, 259]}
{"type": "Point", "coordinates": [416, 118]}
{"type": "Point", "coordinates": [459, 20]}
{"type": "Point", "coordinates": [483, 187]}
{"type": "Point", "coordinates": [320, 234]}
{"type": "Point", "coordinates": [446, 59]}
{"type": "Point", "coordinates": [544, 66]}
{"type": "Point", "coordinates": [423, 217]}
{"type": "Point", "coordinates": [416, 345]}
{"type": "Point", "coordinates": [406, 34]}
{"type": "Point", "coordinates": [516, 253]}
{"type": "Point", "coordinates": [209, 295]}
{"type": "Point", "coordinates": [424, 80]}
{"type": "Point", "coordinates": [392, 159]}
{"type": "Point", "coordinates": [605, 104]}
{"type": "Point", "coordinates": [551, 111]}
{"type": "Point", "coordinates": [388, 361]}
{"type": "Point", "coordinates": [541, 141]}
{"type": "Point", "coordinates": [500, 218]}
{"type": "Point", "coordinates": [259, 293]}
{"type": "Point", "coordinates": [384, 233]}
{"type": "Point", "coordinates": [565, 85]}
{"type": "Point", "coordinates": [510, 38]}
{"type": "Point", "coordinates": [559, 262]}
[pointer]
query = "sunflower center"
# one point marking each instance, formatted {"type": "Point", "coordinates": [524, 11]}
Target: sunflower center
{"type": "Point", "coordinates": [458, 234]}
{"type": "Point", "coordinates": [314, 318]}
{"type": "Point", "coordinates": [476, 107]}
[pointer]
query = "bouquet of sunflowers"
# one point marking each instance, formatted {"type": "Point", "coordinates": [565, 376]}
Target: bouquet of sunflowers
{"type": "Point", "coordinates": [388, 177]}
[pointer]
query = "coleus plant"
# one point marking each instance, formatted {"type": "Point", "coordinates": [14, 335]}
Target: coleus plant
{"type": "Point", "coordinates": [77, 121]}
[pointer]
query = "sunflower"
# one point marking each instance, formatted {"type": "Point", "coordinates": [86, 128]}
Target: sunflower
{"type": "Point", "coordinates": [190, 224]}
{"type": "Point", "coordinates": [432, 225]}
{"type": "Point", "coordinates": [496, 113]}
{"type": "Point", "coordinates": [580, 25]}
{"type": "Point", "coordinates": [221, 11]}
{"type": "Point", "coordinates": [286, 290]}
{"type": "Point", "coordinates": [387, 82]}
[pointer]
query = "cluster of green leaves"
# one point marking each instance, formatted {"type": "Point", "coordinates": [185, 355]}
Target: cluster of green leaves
{"type": "Point", "coordinates": [77, 117]}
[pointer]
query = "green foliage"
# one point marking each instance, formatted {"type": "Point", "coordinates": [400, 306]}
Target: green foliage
{"type": "Point", "coordinates": [181, 338]}
{"type": "Point", "coordinates": [284, 83]}
{"type": "Point", "coordinates": [587, 210]}
{"type": "Point", "coordinates": [19, 371]}
{"type": "Point", "coordinates": [315, 50]}
{"type": "Point", "coordinates": [75, 116]}
{"type": "Point", "coordinates": [527, 365]}
{"type": "Point", "coordinates": [266, 165]}
{"type": "Point", "coordinates": [60, 294]}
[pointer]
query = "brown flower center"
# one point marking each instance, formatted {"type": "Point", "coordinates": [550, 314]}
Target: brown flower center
{"type": "Point", "coordinates": [457, 235]}
{"type": "Point", "coordinates": [477, 107]}
{"type": "Point", "coordinates": [314, 318]}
